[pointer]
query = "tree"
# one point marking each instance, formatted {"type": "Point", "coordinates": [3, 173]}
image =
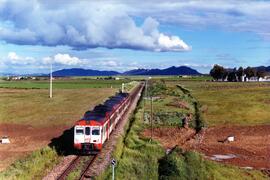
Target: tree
{"type": "Point", "coordinates": [240, 73]}
{"type": "Point", "coordinates": [232, 75]}
{"type": "Point", "coordinates": [218, 72]}
{"type": "Point", "coordinates": [261, 73]}
{"type": "Point", "coordinates": [250, 72]}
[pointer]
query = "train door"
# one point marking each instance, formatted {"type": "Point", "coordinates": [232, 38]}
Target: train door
{"type": "Point", "coordinates": [87, 134]}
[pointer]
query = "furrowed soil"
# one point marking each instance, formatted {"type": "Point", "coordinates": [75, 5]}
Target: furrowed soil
{"type": "Point", "coordinates": [24, 140]}
{"type": "Point", "coordinates": [251, 146]}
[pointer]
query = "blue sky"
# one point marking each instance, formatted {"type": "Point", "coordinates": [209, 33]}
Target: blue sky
{"type": "Point", "coordinates": [124, 35]}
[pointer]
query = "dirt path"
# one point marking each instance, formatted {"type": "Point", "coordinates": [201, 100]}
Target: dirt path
{"type": "Point", "coordinates": [24, 139]}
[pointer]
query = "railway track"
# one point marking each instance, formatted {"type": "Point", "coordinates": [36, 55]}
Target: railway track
{"type": "Point", "coordinates": [84, 162]}
{"type": "Point", "coordinates": [266, 172]}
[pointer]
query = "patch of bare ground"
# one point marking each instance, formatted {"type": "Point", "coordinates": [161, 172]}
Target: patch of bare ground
{"type": "Point", "coordinates": [251, 147]}
{"type": "Point", "coordinates": [24, 139]}
{"type": "Point", "coordinates": [179, 104]}
{"type": "Point", "coordinates": [169, 137]}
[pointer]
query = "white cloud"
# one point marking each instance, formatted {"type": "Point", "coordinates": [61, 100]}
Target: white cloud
{"type": "Point", "coordinates": [81, 25]}
{"type": "Point", "coordinates": [63, 59]}
{"type": "Point", "coordinates": [172, 43]}
{"type": "Point", "coordinates": [13, 58]}
{"type": "Point", "coordinates": [66, 59]}
{"type": "Point", "coordinates": [110, 63]}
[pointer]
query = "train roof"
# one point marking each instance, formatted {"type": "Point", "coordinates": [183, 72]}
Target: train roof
{"type": "Point", "coordinates": [99, 112]}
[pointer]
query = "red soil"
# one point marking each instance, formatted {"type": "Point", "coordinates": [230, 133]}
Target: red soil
{"type": "Point", "coordinates": [251, 145]}
{"type": "Point", "coordinates": [24, 139]}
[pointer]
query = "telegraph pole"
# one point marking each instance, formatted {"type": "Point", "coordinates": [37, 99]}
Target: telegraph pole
{"type": "Point", "coordinates": [123, 87]}
{"type": "Point", "coordinates": [151, 118]}
{"type": "Point", "coordinates": [51, 82]}
{"type": "Point", "coordinates": [145, 89]}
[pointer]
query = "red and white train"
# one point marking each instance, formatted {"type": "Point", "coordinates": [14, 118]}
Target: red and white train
{"type": "Point", "coordinates": [95, 127]}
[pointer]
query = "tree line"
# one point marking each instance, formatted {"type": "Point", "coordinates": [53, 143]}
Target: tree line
{"type": "Point", "coordinates": [220, 73]}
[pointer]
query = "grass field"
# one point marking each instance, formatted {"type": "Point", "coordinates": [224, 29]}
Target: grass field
{"type": "Point", "coordinates": [232, 103]}
{"type": "Point", "coordinates": [63, 84]}
{"type": "Point", "coordinates": [33, 107]}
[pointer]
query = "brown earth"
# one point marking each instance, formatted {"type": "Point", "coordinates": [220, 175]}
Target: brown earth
{"type": "Point", "coordinates": [169, 137]}
{"type": "Point", "coordinates": [179, 104]}
{"type": "Point", "coordinates": [251, 146]}
{"type": "Point", "coordinates": [24, 139]}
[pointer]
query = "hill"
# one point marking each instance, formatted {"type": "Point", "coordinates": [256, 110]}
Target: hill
{"type": "Point", "coordinates": [83, 72]}
{"type": "Point", "coordinates": [181, 70]}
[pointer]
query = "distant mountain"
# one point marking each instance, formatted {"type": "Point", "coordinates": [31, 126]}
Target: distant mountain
{"type": "Point", "coordinates": [181, 70]}
{"type": "Point", "coordinates": [83, 72]}
{"type": "Point", "coordinates": [136, 72]}
{"type": "Point", "coordinates": [263, 68]}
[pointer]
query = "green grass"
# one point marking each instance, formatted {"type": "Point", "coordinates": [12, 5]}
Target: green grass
{"type": "Point", "coordinates": [63, 84]}
{"type": "Point", "coordinates": [191, 166]}
{"type": "Point", "coordinates": [171, 104]}
{"type": "Point", "coordinates": [232, 103]}
{"type": "Point", "coordinates": [136, 157]}
{"type": "Point", "coordinates": [33, 166]}
{"type": "Point", "coordinates": [33, 107]}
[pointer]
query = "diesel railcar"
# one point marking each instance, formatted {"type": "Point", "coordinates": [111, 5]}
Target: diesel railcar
{"type": "Point", "coordinates": [95, 127]}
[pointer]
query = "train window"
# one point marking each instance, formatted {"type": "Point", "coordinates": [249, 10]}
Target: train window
{"type": "Point", "coordinates": [87, 131]}
{"type": "Point", "coordinates": [95, 131]}
{"type": "Point", "coordinates": [79, 131]}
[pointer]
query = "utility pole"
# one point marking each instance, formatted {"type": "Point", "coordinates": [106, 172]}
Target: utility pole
{"type": "Point", "coordinates": [123, 87]}
{"type": "Point", "coordinates": [51, 82]}
{"type": "Point", "coordinates": [144, 100]}
{"type": "Point", "coordinates": [151, 118]}
{"type": "Point", "coordinates": [146, 89]}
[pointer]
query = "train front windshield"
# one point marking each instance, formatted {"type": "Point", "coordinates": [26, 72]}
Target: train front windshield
{"type": "Point", "coordinates": [95, 130]}
{"type": "Point", "coordinates": [79, 131]}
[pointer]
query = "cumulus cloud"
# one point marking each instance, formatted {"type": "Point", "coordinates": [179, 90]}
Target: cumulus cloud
{"type": "Point", "coordinates": [63, 59]}
{"type": "Point", "coordinates": [81, 25]}
{"type": "Point", "coordinates": [13, 58]}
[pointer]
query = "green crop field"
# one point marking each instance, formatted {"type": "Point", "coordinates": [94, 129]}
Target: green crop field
{"type": "Point", "coordinates": [63, 84]}
{"type": "Point", "coordinates": [27, 102]}
{"type": "Point", "coordinates": [34, 107]}
{"type": "Point", "coordinates": [232, 103]}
